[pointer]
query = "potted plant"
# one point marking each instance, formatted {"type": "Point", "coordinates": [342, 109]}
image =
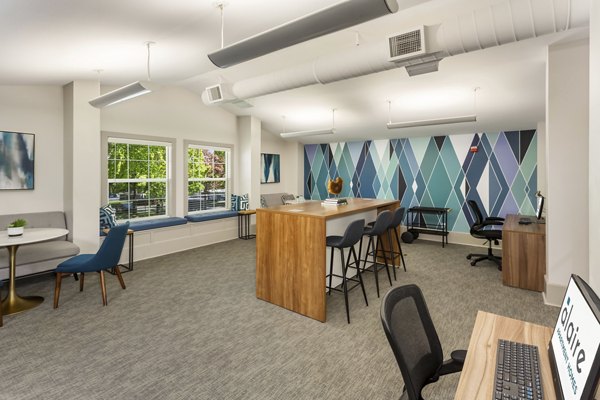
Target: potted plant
{"type": "Point", "coordinates": [16, 227]}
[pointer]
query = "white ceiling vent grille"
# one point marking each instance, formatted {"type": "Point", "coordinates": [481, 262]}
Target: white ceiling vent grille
{"type": "Point", "coordinates": [214, 93]}
{"type": "Point", "coordinates": [407, 44]}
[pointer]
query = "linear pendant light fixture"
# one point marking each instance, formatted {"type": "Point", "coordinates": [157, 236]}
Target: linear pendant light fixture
{"type": "Point", "coordinates": [330, 19]}
{"type": "Point", "coordinates": [428, 122]}
{"type": "Point", "coordinates": [313, 132]}
{"type": "Point", "coordinates": [127, 92]}
{"type": "Point", "coordinates": [434, 121]}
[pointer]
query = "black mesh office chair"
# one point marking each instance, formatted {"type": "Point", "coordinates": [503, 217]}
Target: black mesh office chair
{"type": "Point", "coordinates": [480, 230]}
{"type": "Point", "coordinates": [414, 341]}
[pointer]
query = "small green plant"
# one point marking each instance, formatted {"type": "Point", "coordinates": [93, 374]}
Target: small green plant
{"type": "Point", "coordinates": [18, 223]}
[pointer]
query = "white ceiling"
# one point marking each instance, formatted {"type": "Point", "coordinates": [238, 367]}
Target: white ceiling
{"type": "Point", "coordinates": [55, 42]}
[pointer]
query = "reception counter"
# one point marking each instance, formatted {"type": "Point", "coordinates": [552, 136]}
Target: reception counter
{"type": "Point", "coordinates": [291, 253]}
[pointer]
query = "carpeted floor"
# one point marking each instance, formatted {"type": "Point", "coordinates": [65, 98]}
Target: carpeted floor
{"type": "Point", "coordinates": [190, 327]}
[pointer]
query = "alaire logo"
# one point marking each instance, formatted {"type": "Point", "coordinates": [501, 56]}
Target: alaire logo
{"type": "Point", "coordinates": [571, 333]}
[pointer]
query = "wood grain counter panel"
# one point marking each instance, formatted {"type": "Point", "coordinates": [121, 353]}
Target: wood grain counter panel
{"type": "Point", "coordinates": [477, 377]}
{"type": "Point", "coordinates": [291, 253]}
{"type": "Point", "coordinates": [289, 262]}
{"type": "Point", "coordinates": [523, 254]}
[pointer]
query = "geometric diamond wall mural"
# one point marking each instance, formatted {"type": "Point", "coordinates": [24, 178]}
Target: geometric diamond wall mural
{"type": "Point", "coordinates": [437, 171]}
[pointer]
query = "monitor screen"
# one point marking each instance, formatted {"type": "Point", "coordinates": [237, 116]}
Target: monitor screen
{"type": "Point", "coordinates": [574, 347]}
{"type": "Point", "coordinates": [540, 206]}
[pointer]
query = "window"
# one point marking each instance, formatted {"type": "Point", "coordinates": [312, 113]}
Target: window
{"type": "Point", "coordinates": [138, 177]}
{"type": "Point", "coordinates": [209, 177]}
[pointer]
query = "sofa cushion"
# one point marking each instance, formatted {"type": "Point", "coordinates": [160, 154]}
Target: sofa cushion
{"type": "Point", "coordinates": [243, 202]}
{"type": "Point", "coordinates": [211, 216]}
{"type": "Point", "coordinates": [50, 219]}
{"type": "Point", "coordinates": [156, 223]}
{"type": "Point", "coordinates": [108, 217]}
{"type": "Point", "coordinates": [271, 199]}
{"type": "Point", "coordinates": [37, 252]}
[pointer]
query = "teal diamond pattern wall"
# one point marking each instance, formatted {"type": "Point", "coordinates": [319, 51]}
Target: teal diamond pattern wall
{"type": "Point", "coordinates": [438, 171]}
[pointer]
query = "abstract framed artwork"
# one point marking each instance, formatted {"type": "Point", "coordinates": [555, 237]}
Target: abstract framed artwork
{"type": "Point", "coordinates": [17, 154]}
{"type": "Point", "coordinates": [269, 167]}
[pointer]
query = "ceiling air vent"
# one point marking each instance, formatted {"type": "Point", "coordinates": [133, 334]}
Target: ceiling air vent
{"type": "Point", "coordinates": [215, 94]}
{"type": "Point", "coordinates": [407, 44]}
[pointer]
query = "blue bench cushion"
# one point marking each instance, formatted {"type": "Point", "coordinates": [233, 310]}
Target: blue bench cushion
{"type": "Point", "coordinates": [156, 223]}
{"type": "Point", "coordinates": [211, 216]}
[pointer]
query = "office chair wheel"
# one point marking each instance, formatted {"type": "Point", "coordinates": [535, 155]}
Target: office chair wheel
{"type": "Point", "coordinates": [469, 257]}
{"type": "Point", "coordinates": [472, 262]}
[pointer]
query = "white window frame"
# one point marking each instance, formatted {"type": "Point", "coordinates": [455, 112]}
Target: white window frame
{"type": "Point", "coordinates": [169, 143]}
{"type": "Point", "coordinates": [228, 148]}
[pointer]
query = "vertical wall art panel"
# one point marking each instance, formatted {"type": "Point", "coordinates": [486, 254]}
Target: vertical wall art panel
{"type": "Point", "coordinates": [269, 167]}
{"type": "Point", "coordinates": [438, 171]}
{"type": "Point", "coordinates": [16, 160]}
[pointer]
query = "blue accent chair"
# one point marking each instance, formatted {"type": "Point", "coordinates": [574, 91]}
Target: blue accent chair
{"type": "Point", "coordinates": [106, 258]}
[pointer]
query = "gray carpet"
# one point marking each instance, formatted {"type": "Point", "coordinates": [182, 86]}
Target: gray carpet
{"type": "Point", "coordinates": [190, 327]}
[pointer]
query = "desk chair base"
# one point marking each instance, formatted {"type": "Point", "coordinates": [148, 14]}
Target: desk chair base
{"type": "Point", "coordinates": [489, 256]}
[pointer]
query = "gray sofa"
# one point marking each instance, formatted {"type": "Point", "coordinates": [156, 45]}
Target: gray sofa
{"type": "Point", "coordinates": [38, 257]}
{"type": "Point", "coordinates": [273, 199]}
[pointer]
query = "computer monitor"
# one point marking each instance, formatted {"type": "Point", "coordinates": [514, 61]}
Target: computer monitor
{"type": "Point", "coordinates": [574, 349]}
{"type": "Point", "coordinates": [540, 206]}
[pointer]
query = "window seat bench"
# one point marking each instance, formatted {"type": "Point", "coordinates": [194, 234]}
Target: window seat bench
{"type": "Point", "coordinates": [157, 223]}
{"type": "Point", "coordinates": [211, 216]}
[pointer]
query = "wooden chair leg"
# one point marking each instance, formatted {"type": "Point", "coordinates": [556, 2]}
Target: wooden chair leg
{"type": "Point", "coordinates": [81, 282]}
{"type": "Point", "coordinates": [103, 287]}
{"type": "Point", "coordinates": [120, 276]}
{"type": "Point", "coordinates": [57, 288]}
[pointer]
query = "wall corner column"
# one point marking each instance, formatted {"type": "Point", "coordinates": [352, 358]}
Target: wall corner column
{"type": "Point", "coordinates": [594, 145]}
{"type": "Point", "coordinates": [249, 139]}
{"type": "Point", "coordinates": [567, 137]}
{"type": "Point", "coordinates": [81, 190]}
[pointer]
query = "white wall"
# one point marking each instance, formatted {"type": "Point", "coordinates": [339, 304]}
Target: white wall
{"type": "Point", "coordinates": [542, 163]}
{"type": "Point", "coordinates": [249, 135]}
{"type": "Point", "coordinates": [82, 163]}
{"type": "Point", "coordinates": [180, 114]}
{"type": "Point", "coordinates": [290, 174]}
{"type": "Point", "coordinates": [176, 113]}
{"type": "Point", "coordinates": [38, 110]}
{"type": "Point", "coordinates": [594, 160]}
{"type": "Point", "coordinates": [567, 119]}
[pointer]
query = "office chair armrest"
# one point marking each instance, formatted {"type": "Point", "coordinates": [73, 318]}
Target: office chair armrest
{"type": "Point", "coordinates": [454, 364]}
{"type": "Point", "coordinates": [494, 219]}
{"type": "Point", "coordinates": [489, 222]}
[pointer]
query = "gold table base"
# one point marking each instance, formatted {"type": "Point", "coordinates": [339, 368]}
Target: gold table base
{"type": "Point", "coordinates": [15, 304]}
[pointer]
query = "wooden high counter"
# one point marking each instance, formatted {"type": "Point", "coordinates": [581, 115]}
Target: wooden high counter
{"type": "Point", "coordinates": [291, 253]}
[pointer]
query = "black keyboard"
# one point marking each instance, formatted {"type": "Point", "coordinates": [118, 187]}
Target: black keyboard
{"type": "Point", "coordinates": [517, 372]}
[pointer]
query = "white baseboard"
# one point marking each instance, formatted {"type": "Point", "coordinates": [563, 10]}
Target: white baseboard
{"type": "Point", "coordinates": [554, 294]}
{"type": "Point", "coordinates": [457, 238]}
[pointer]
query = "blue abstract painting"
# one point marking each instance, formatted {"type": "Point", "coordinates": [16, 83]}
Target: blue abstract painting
{"type": "Point", "coordinates": [16, 160]}
{"type": "Point", "coordinates": [269, 166]}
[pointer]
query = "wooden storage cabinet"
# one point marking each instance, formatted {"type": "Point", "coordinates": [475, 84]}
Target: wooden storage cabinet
{"type": "Point", "coordinates": [523, 253]}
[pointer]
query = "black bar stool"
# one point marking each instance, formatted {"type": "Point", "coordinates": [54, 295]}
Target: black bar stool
{"type": "Point", "coordinates": [397, 218]}
{"type": "Point", "coordinates": [381, 225]}
{"type": "Point", "coordinates": [352, 236]}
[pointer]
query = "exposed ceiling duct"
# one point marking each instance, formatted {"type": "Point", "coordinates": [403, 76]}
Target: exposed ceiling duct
{"type": "Point", "coordinates": [495, 25]}
{"type": "Point", "coordinates": [330, 19]}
